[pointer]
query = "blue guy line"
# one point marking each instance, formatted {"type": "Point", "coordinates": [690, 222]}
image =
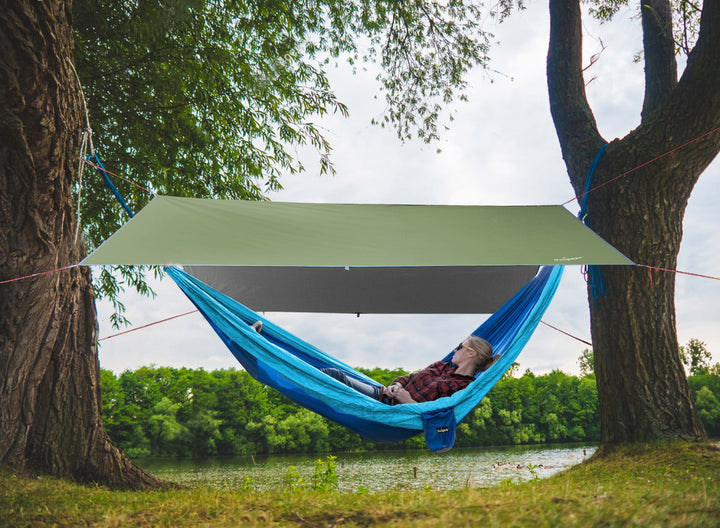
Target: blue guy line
{"type": "Point", "coordinates": [110, 185]}
{"type": "Point", "coordinates": [593, 273]}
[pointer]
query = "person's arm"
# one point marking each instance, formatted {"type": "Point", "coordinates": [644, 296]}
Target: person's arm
{"type": "Point", "coordinates": [399, 383]}
{"type": "Point", "coordinates": [431, 389]}
{"type": "Point", "coordinates": [407, 378]}
{"type": "Point", "coordinates": [401, 380]}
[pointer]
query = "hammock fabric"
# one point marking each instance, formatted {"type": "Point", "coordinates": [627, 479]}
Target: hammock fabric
{"type": "Point", "coordinates": [290, 365]}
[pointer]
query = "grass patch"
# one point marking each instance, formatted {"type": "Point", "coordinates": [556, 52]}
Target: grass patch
{"type": "Point", "coordinates": [675, 484]}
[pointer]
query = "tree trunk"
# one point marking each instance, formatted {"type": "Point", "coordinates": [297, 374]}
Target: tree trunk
{"type": "Point", "coordinates": [50, 402]}
{"type": "Point", "coordinates": [642, 387]}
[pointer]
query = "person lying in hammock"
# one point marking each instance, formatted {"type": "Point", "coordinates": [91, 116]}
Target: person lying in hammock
{"type": "Point", "coordinates": [435, 381]}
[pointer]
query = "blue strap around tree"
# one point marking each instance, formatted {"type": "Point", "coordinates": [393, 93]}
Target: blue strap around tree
{"type": "Point", "coordinates": [593, 274]}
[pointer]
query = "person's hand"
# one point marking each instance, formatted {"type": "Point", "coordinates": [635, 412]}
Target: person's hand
{"type": "Point", "coordinates": [403, 396]}
{"type": "Point", "coordinates": [392, 389]}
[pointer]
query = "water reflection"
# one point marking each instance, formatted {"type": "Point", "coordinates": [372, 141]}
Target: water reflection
{"type": "Point", "coordinates": [459, 468]}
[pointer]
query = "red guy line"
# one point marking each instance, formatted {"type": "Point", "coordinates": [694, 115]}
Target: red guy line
{"type": "Point", "coordinates": [678, 271]}
{"type": "Point", "coordinates": [38, 274]}
{"type": "Point", "coordinates": [642, 165]}
{"type": "Point", "coordinates": [147, 325]}
{"type": "Point", "coordinates": [567, 334]}
{"type": "Point", "coordinates": [116, 175]}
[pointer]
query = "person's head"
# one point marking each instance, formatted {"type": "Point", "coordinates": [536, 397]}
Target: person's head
{"type": "Point", "coordinates": [479, 351]}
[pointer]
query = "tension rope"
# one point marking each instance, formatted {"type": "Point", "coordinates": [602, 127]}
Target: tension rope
{"type": "Point", "coordinates": [148, 325]}
{"type": "Point", "coordinates": [85, 144]}
{"type": "Point", "coordinates": [645, 164]}
{"type": "Point", "coordinates": [38, 274]}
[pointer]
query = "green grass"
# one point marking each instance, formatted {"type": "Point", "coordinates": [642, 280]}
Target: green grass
{"type": "Point", "coordinates": [674, 484]}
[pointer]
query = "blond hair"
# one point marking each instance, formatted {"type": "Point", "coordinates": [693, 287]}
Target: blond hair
{"type": "Point", "coordinates": [484, 352]}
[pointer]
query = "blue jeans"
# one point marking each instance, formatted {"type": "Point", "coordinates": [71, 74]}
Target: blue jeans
{"type": "Point", "coordinates": [364, 388]}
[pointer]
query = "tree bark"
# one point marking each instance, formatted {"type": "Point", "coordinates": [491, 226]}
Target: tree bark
{"type": "Point", "coordinates": [642, 387]}
{"type": "Point", "coordinates": [50, 402]}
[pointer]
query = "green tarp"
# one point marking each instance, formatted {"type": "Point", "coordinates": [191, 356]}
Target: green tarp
{"type": "Point", "coordinates": [356, 257]}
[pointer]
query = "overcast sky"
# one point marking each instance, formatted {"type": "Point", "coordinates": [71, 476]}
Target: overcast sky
{"type": "Point", "coordinates": [501, 149]}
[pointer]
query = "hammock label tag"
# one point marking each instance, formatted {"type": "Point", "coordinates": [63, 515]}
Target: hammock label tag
{"type": "Point", "coordinates": [439, 429]}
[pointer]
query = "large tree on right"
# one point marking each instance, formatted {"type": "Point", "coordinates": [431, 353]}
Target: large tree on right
{"type": "Point", "coordinates": [642, 387]}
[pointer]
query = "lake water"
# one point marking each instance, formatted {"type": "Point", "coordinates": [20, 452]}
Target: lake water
{"type": "Point", "coordinates": [458, 468]}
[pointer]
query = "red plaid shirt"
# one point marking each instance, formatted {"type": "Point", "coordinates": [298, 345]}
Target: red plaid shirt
{"type": "Point", "coordinates": [434, 381]}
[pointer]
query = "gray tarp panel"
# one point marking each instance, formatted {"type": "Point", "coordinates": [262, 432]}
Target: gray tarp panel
{"type": "Point", "coordinates": [452, 289]}
{"type": "Point", "coordinates": [364, 258]}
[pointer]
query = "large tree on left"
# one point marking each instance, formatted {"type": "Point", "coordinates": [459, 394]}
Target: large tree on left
{"type": "Point", "coordinates": [49, 375]}
{"type": "Point", "coordinates": [193, 97]}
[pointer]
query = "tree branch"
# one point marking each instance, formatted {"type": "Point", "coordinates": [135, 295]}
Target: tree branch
{"type": "Point", "coordinates": [693, 106]}
{"type": "Point", "coordinates": [574, 121]}
{"type": "Point", "coordinates": [659, 52]}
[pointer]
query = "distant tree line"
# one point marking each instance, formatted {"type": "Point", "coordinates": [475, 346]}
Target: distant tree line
{"type": "Point", "coordinates": [161, 411]}
{"type": "Point", "coordinates": [704, 381]}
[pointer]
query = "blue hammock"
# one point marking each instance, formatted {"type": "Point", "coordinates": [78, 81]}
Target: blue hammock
{"type": "Point", "coordinates": [290, 365]}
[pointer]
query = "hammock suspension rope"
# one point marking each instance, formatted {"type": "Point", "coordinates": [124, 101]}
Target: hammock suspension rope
{"type": "Point", "coordinates": [593, 274]}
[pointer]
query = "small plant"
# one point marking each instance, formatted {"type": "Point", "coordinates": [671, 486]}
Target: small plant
{"type": "Point", "coordinates": [247, 485]}
{"type": "Point", "coordinates": [533, 469]}
{"type": "Point", "coordinates": [325, 476]}
{"type": "Point", "coordinates": [292, 480]}
{"type": "Point", "coordinates": [508, 483]}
